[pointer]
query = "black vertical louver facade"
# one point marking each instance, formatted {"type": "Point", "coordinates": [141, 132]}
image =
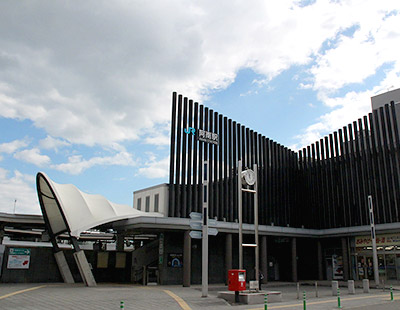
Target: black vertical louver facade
{"type": "Point", "coordinates": [324, 185]}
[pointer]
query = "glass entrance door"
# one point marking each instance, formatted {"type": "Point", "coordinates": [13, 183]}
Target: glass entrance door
{"type": "Point", "coordinates": [365, 267]}
{"type": "Point", "coordinates": [391, 267]}
{"type": "Point", "coordinates": [369, 267]}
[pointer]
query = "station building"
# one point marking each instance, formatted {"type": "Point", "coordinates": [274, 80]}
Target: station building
{"type": "Point", "coordinates": [312, 205]}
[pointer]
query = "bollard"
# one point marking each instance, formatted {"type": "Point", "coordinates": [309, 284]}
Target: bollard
{"type": "Point", "coordinates": [338, 299]}
{"type": "Point", "coordinates": [335, 286]}
{"type": "Point", "coordinates": [298, 290]}
{"type": "Point", "coordinates": [266, 301]}
{"type": "Point", "coordinates": [351, 288]}
{"type": "Point", "coordinates": [316, 289]}
{"type": "Point", "coordinates": [366, 286]}
{"type": "Point", "coordinates": [304, 300]}
{"type": "Point", "coordinates": [121, 306]}
{"type": "Point", "coordinates": [391, 293]}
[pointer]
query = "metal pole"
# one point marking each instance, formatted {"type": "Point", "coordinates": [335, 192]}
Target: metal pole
{"type": "Point", "coordinates": [204, 267]}
{"type": "Point", "coordinates": [373, 237]}
{"type": "Point", "coordinates": [187, 253]}
{"type": "Point", "coordinates": [256, 223]}
{"type": "Point", "coordinates": [239, 182]}
{"type": "Point", "coordinates": [298, 290]}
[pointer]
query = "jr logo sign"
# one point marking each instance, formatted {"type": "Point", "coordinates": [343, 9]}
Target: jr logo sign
{"type": "Point", "coordinates": [190, 130]}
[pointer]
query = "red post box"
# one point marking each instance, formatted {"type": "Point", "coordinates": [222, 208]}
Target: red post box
{"type": "Point", "coordinates": [237, 280]}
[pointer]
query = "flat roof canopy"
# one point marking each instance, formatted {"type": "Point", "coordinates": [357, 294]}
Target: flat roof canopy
{"type": "Point", "coordinates": [66, 209]}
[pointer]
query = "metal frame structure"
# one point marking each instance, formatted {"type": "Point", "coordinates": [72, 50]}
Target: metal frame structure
{"type": "Point", "coordinates": [322, 186]}
{"type": "Point", "coordinates": [240, 210]}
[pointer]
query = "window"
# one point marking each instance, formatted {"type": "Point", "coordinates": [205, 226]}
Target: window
{"type": "Point", "coordinates": [147, 203]}
{"type": "Point", "coordinates": [156, 197]}
{"type": "Point", "coordinates": [139, 203]}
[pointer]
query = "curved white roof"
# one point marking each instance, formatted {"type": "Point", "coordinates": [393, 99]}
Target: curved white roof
{"type": "Point", "coordinates": [79, 211]}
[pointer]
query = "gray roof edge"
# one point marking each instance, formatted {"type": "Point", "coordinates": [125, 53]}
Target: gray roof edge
{"type": "Point", "coordinates": [229, 227]}
{"type": "Point", "coordinates": [21, 218]}
{"type": "Point", "coordinates": [150, 188]}
{"type": "Point", "coordinates": [225, 227]}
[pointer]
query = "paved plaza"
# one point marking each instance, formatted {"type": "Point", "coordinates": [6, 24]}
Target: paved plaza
{"type": "Point", "coordinates": [109, 296]}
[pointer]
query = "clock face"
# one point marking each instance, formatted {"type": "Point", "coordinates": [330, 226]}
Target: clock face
{"type": "Point", "coordinates": [249, 177]}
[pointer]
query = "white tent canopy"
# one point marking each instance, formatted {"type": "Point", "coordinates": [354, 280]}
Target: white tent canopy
{"type": "Point", "coordinates": [66, 208]}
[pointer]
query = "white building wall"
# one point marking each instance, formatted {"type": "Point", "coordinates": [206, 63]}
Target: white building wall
{"type": "Point", "coordinates": [151, 192]}
{"type": "Point", "coordinates": [382, 99]}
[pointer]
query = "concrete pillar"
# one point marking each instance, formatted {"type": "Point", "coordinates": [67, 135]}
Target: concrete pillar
{"type": "Point", "coordinates": [264, 259]}
{"type": "Point", "coordinates": [320, 261]}
{"type": "Point", "coordinates": [335, 286]}
{"type": "Point", "coordinates": [120, 242]}
{"type": "Point", "coordinates": [84, 269]}
{"type": "Point", "coordinates": [345, 259]}
{"type": "Point", "coordinates": [350, 285]}
{"type": "Point", "coordinates": [294, 260]}
{"type": "Point", "coordinates": [187, 258]}
{"type": "Point", "coordinates": [366, 286]}
{"type": "Point", "coordinates": [228, 255]}
{"type": "Point", "coordinates": [63, 267]}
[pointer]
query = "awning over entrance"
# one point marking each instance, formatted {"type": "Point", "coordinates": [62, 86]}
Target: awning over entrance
{"type": "Point", "coordinates": [67, 209]}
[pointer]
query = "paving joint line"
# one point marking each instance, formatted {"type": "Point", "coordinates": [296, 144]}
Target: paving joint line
{"type": "Point", "coordinates": [179, 300]}
{"type": "Point", "coordinates": [22, 291]}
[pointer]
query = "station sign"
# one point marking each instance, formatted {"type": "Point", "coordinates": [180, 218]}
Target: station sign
{"type": "Point", "coordinates": [203, 135]}
{"type": "Point", "coordinates": [209, 137]}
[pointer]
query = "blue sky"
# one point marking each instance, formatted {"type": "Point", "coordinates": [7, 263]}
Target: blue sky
{"type": "Point", "coordinates": [85, 88]}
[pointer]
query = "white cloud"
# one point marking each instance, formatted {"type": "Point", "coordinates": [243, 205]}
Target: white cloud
{"type": "Point", "coordinates": [305, 86]}
{"type": "Point", "coordinates": [20, 187]}
{"type": "Point", "coordinates": [357, 57]}
{"type": "Point", "coordinates": [77, 165]}
{"type": "Point", "coordinates": [53, 143]}
{"type": "Point", "coordinates": [13, 146]}
{"type": "Point", "coordinates": [346, 109]}
{"type": "Point", "coordinates": [155, 169]}
{"type": "Point", "coordinates": [33, 156]}
{"type": "Point", "coordinates": [350, 61]}
{"type": "Point", "coordinates": [103, 74]}
{"type": "Point", "coordinates": [160, 140]}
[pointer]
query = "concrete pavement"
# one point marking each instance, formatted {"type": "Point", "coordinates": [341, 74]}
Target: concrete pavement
{"type": "Point", "coordinates": [109, 296]}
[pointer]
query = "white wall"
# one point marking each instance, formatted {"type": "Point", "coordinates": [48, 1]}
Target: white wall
{"type": "Point", "coordinates": [151, 192]}
{"type": "Point", "coordinates": [382, 99]}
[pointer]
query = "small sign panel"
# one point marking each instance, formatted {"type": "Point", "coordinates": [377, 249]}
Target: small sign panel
{"type": "Point", "coordinates": [212, 231]}
{"type": "Point", "coordinates": [195, 234]}
{"type": "Point", "coordinates": [196, 225]}
{"type": "Point", "coordinates": [175, 260]}
{"type": "Point", "coordinates": [19, 258]}
{"type": "Point", "coordinates": [212, 222]}
{"type": "Point", "coordinates": [196, 216]}
{"type": "Point", "coordinates": [253, 285]}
